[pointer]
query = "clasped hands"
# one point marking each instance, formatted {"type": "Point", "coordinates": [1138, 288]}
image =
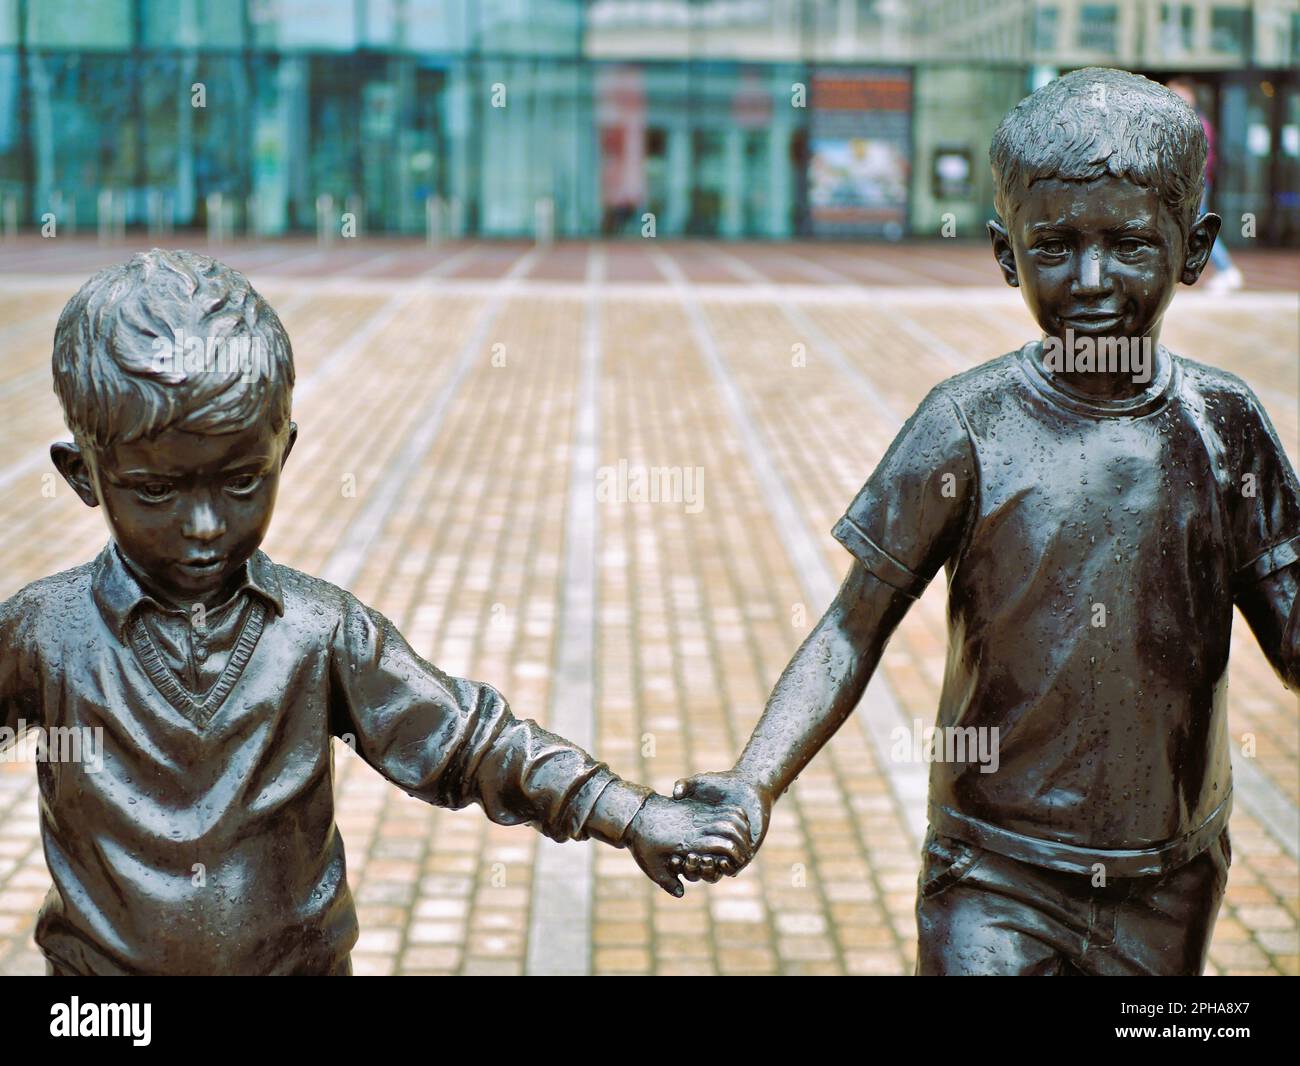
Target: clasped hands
{"type": "Point", "coordinates": [710, 829]}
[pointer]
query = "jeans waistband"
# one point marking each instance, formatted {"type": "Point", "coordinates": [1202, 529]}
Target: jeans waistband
{"type": "Point", "coordinates": [1070, 858]}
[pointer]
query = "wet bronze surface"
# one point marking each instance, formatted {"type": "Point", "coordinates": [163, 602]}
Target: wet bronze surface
{"type": "Point", "coordinates": [1097, 526]}
{"type": "Point", "coordinates": [202, 839]}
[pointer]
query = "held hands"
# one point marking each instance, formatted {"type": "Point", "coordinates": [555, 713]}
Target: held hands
{"type": "Point", "coordinates": [665, 831]}
{"type": "Point", "coordinates": [728, 789]}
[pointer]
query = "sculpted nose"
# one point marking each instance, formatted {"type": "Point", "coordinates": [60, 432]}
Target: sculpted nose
{"type": "Point", "coordinates": [203, 522]}
{"type": "Point", "coordinates": [1088, 281]}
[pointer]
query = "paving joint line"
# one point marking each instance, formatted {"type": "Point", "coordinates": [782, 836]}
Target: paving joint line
{"type": "Point", "coordinates": [879, 712]}
{"type": "Point", "coordinates": [347, 559]}
{"type": "Point", "coordinates": [560, 921]}
{"type": "Point", "coordinates": [811, 568]}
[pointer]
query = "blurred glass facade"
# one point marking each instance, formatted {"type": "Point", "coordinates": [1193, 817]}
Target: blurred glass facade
{"type": "Point", "coordinates": [727, 118]}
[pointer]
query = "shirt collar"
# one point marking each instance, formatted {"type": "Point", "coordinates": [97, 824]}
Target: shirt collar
{"type": "Point", "coordinates": [118, 592]}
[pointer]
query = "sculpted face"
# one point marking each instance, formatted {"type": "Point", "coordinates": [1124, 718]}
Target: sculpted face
{"type": "Point", "coordinates": [1101, 258]}
{"type": "Point", "coordinates": [186, 509]}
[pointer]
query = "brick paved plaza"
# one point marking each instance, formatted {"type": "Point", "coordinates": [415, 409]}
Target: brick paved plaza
{"type": "Point", "coordinates": [476, 395]}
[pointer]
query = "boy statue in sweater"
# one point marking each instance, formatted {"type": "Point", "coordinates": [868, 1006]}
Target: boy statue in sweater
{"type": "Point", "coordinates": [201, 839]}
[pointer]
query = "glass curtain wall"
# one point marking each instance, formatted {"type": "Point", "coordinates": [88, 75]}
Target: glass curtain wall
{"type": "Point", "coordinates": [763, 119]}
{"type": "Point", "coordinates": [699, 149]}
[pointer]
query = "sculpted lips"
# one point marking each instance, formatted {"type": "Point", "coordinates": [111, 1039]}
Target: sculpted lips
{"type": "Point", "coordinates": [202, 564]}
{"type": "Point", "coordinates": [1094, 318]}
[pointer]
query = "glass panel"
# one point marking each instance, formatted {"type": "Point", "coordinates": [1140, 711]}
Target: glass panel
{"type": "Point", "coordinates": [1243, 153]}
{"type": "Point", "coordinates": [1229, 30]}
{"type": "Point", "coordinates": [1045, 23]}
{"type": "Point", "coordinates": [13, 164]}
{"type": "Point", "coordinates": [755, 184]}
{"type": "Point", "coordinates": [1288, 199]}
{"type": "Point", "coordinates": [955, 110]}
{"type": "Point", "coordinates": [98, 24]}
{"type": "Point", "coordinates": [682, 29]}
{"type": "Point", "coordinates": [528, 27]}
{"type": "Point", "coordinates": [705, 148]}
{"type": "Point", "coordinates": [1177, 24]}
{"type": "Point", "coordinates": [545, 131]}
{"type": "Point", "coordinates": [633, 157]}
{"type": "Point", "coordinates": [1097, 23]}
{"type": "Point", "coordinates": [8, 23]}
{"type": "Point", "coordinates": [430, 26]}
{"type": "Point", "coordinates": [708, 189]}
{"type": "Point", "coordinates": [85, 141]}
{"type": "Point", "coordinates": [298, 24]}
{"type": "Point", "coordinates": [193, 23]}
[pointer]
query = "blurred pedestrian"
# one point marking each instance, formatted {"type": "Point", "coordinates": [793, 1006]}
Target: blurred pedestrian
{"type": "Point", "coordinates": [1226, 275]}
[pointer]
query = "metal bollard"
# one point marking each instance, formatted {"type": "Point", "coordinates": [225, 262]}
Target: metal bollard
{"type": "Point", "coordinates": [216, 221]}
{"type": "Point", "coordinates": [355, 207]}
{"type": "Point", "coordinates": [55, 210]}
{"type": "Point", "coordinates": [154, 210]}
{"type": "Point", "coordinates": [324, 219]}
{"type": "Point", "coordinates": [544, 222]}
{"type": "Point", "coordinates": [10, 217]}
{"type": "Point", "coordinates": [104, 215]}
{"type": "Point", "coordinates": [434, 210]}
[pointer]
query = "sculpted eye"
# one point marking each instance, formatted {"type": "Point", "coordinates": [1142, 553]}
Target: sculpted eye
{"type": "Point", "coordinates": [243, 484]}
{"type": "Point", "coordinates": [1052, 246]}
{"type": "Point", "coordinates": [1132, 246]}
{"type": "Point", "coordinates": [154, 491]}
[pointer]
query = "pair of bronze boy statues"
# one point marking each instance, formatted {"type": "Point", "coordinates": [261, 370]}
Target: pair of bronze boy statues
{"type": "Point", "coordinates": [1055, 492]}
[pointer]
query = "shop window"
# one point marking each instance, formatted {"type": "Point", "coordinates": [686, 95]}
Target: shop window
{"type": "Point", "coordinates": [1097, 27]}
{"type": "Point", "coordinates": [1045, 28]}
{"type": "Point", "coordinates": [1228, 30]}
{"type": "Point", "coordinates": [1177, 23]}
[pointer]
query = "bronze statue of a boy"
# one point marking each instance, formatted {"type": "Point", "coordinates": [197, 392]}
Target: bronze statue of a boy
{"type": "Point", "coordinates": [1099, 504]}
{"type": "Point", "coordinates": [204, 840]}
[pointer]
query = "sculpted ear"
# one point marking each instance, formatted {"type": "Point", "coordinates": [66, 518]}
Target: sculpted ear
{"type": "Point", "coordinates": [288, 447]}
{"type": "Point", "coordinates": [1004, 253]}
{"type": "Point", "coordinates": [1200, 241]}
{"type": "Point", "coordinates": [69, 461]}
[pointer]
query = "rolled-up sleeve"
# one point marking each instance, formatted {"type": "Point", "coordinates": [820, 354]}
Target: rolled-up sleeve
{"type": "Point", "coordinates": [453, 742]}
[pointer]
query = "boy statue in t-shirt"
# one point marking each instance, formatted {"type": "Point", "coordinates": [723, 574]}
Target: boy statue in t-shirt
{"type": "Point", "coordinates": [200, 838]}
{"type": "Point", "coordinates": [1099, 504]}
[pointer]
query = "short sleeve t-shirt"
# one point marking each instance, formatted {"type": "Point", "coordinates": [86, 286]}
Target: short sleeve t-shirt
{"type": "Point", "coordinates": [1094, 550]}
